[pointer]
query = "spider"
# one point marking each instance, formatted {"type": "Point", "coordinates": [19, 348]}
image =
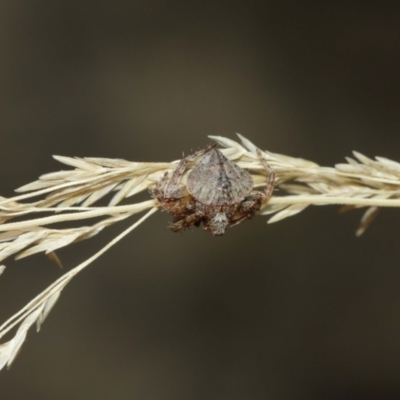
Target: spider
{"type": "Point", "coordinates": [217, 193]}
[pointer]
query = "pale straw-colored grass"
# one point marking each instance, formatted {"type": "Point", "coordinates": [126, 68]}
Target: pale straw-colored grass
{"type": "Point", "coordinates": [69, 195]}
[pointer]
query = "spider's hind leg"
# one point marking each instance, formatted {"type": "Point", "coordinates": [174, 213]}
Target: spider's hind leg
{"type": "Point", "coordinates": [269, 188]}
{"type": "Point", "coordinates": [247, 208]}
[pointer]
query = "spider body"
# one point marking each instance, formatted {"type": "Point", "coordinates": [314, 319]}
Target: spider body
{"type": "Point", "coordinates": [218, 193]}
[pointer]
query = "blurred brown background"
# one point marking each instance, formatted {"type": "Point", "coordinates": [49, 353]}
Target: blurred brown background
{"type": "Point", "coordinates": [301, 309]}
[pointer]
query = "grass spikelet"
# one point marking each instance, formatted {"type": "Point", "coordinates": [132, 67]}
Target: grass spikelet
{"type": "Point", "coordinates": [72, 195]}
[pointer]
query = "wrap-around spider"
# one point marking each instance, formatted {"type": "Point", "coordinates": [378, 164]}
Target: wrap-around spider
{"type": "Point", "coordinates": [218, 192]}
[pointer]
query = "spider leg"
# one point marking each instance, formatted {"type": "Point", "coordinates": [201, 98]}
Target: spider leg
{"type": "Point", "coordinates": [156, 191]}
{"type": "Point", "coordinates": [188, 215]}
{"type": "Point", "coordinates": [186, 222]}
{"type": "Point", "coordinates": [241, 219]}
{"type": "Point", "coordinates": [247, 209]}
{"type": "Point", "coordinates": [251, 202]}
{"type": "Point", "coordinates": [271, 179]}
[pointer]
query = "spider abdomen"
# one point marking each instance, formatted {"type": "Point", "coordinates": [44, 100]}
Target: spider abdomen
{"type": "Point", "coordinates": [218, 181]}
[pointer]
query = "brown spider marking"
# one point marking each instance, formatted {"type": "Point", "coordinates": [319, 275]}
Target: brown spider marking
{"type": "Point", "coordinates": [218, 192]}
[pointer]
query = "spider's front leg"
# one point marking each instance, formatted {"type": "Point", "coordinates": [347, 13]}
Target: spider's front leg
{"type": "Point", "coordinates": [186, 221]}
{"type": "Point", "coordinates": [158, 190]}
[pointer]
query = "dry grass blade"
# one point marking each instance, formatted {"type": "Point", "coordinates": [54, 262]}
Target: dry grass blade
{"type": "Point", "coordinates": [38, 309]}
{"type": "Point", "coordinates": [366, 219]}
{"type": "Point", "coordinates": [288, 212]}
{"type": "Point", "coordinates": [9, 350]}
